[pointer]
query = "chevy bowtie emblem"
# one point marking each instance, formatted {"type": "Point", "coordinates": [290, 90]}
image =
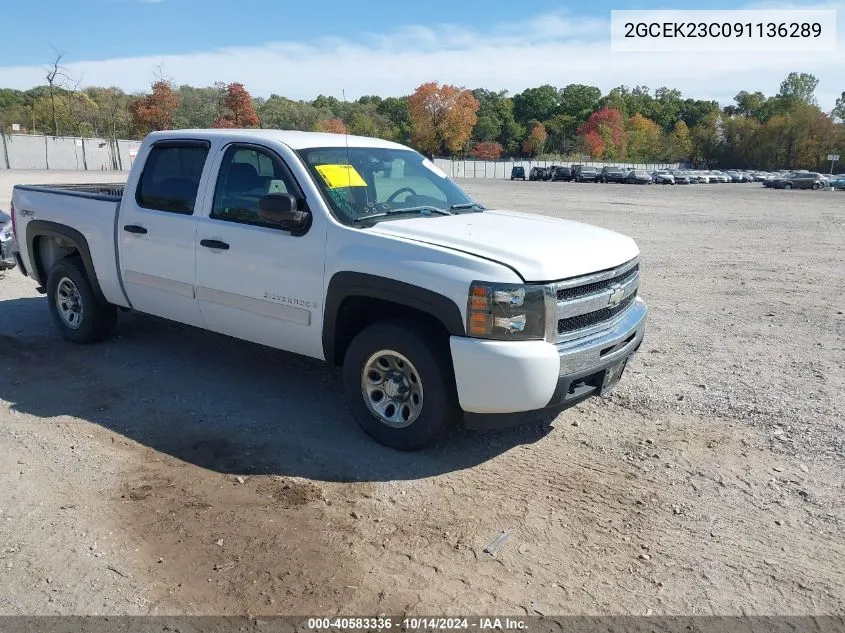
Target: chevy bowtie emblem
{"type": "Point", "coordinates": [616, 296]}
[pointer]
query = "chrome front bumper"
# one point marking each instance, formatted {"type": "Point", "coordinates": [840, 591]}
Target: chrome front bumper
{"type": "Point", "coordinates": [607, 347]}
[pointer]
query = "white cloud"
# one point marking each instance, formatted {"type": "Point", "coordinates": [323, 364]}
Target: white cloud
{"type": "Point", "coordinates": [558, 48]}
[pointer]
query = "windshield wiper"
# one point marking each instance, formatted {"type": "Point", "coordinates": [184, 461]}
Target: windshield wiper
{"type": "Point", "coordinates": [423, 210]}
{"type": "Point", "coordinates": [467, 205]}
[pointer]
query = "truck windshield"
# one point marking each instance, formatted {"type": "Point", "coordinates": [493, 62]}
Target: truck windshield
{"type": "Point", "coordinates": [364, 182]}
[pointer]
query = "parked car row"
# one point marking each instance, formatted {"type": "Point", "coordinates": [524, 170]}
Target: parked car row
{"type": "Point", "coordinates": [800, 179]}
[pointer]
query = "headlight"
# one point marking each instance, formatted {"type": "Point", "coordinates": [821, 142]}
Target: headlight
{"type": "Point", "coordinates": [506, 312]}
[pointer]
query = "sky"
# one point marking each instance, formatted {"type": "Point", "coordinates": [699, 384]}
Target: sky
{"type": "Point", "coordinates": [385, 47]}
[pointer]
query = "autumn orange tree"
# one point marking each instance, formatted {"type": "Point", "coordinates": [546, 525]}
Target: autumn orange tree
{"type": "Point", "coordinates": [442, 117]}
{"type": "Point", "coordinates": [535, 142]}
{"type": "Point", "coordinates": [235, 109]}
{"type": "Point", "coordinates": [335, 126]}
{"type": "Point", "coordinates": [155, 111]}
{"type": "Point", "coordinates": [604, 135]}
{"type": "Point", "coordinates": [487, 150]}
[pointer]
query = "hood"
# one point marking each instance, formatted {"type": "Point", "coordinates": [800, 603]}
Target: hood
{"type": "Point", "coordinates": [538, 247]}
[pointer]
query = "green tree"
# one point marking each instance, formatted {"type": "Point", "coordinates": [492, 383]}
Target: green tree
{"type": "Point", "coordinates": [753, 104]}
{"type": "Point", "coordinates": [491, 111]}
{"type": "Point", "coordinates": [679, 143]}
{"type": "Point", "coordinates": [496, 122]}
{"type": "Point", "coordinates": [197, 107]}
{"type": "Point", "coordinates": [799, 87]}
{"type": "Point", "coordinates": [645, 139]}
{"type": "Point", "coordinates": [363, 124]}
{"type": "Point", "coordinates": [512, 135]}
{"type": "Point", "coordinates": [666, 107]}
{"type": "Point", "coordinates": [839, 108]}
{"type": "Point", "coordinates": [707, 139]}
{"type": "Point", "coordinates": [285, 114]}
{"type": "Point", "coordinates": [395, 109]}
{"type": "Point", "coordinates": [640, 100]}
{"type": "Point", "coordinates": [536, 103]}
{"type": "Point", "coordinates": [740, 146]}
{"type": "Point", "coordinates": [579, 101]}
{"type": "Point", "coordinates": [13, 108]}
{"type": "Point", "coordinates": [695, 111]}
{"type": "Point", "coordinates": [563, 134]}
{"type": "Point", "coordinates": [616, 99]}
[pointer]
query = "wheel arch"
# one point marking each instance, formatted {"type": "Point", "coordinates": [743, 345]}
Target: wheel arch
{"type": "Point", "coordinates": [64, 241]}
{"type": "Point", "coordinates": [355, 300]}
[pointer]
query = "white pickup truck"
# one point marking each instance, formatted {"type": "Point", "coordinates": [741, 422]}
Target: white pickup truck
{"type": "Point", "coordinates": [353, 250]}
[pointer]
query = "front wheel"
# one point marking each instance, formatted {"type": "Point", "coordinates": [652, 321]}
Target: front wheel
{"type": "Point", "coordinates": [79, 315]}
{"type": "Point", "coordinates": [787, 186]}
{"type": "Point", "coordinates": [399, 384]}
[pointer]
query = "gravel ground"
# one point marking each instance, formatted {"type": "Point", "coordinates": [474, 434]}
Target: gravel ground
{"type": "Point", "coordinates": [171, 470]}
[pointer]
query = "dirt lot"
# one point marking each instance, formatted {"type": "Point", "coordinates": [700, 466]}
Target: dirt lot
{"type": "Point", "coordinates": [172, 470]}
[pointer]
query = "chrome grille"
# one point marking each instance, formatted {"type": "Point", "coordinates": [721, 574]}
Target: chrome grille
{"type": "Point", "coordinates": [584, 305]}
{"type": "Point", "coordinates": [588, 289]}
{"type": "Point", "coordinates": [592, 318]}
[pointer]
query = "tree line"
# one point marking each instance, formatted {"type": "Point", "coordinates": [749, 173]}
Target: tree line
{"type": "Point", "coordinates": [630, 124]}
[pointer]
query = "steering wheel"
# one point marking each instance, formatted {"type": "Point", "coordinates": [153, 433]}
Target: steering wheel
{"type": "Point", "coordinates": [396, 193]}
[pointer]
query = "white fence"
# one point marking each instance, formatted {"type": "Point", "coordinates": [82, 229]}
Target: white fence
{"type": "Point", "coordinates": [30, 151]}
{"type": "Point", "coordinates": [502, 168]}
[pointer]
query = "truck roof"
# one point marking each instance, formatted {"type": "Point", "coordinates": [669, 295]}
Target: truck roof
{"type": "Point", "coordinates": [294, 139]}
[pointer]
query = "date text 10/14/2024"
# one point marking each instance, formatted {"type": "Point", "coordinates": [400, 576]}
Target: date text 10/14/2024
{"type": "Point", "coordinates": [382, 623]}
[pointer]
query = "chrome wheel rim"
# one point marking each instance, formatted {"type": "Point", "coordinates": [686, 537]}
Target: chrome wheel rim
{"type": "Point", "coordinates": [392, 389]}
{"type": "Point", "coordinates": [69, 303]}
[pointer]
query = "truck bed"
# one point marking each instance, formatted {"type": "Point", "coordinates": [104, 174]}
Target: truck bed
{"type": "Point", "coordinates": [85, 213]}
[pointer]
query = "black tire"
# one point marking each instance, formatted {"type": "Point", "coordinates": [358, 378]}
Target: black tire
{"type": "Point", "coordinates": [96, 319]}
{"type": "Point", "coordinates": [429, 357]}
{"type": "Point", "coordinates": [787, 186]}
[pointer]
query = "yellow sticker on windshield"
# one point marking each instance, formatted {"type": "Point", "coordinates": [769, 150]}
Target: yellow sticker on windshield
{"type": "Point", "coordinates": [337, 176]}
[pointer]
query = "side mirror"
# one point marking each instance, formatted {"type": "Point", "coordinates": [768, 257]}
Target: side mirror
{"type": "Point", "coordinates": [281, 209]}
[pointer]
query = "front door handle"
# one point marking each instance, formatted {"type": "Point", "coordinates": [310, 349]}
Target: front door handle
{"type": "Point", "coordinates": [223, 246]}
{"type": "Point", "coordinates": [134, 228]}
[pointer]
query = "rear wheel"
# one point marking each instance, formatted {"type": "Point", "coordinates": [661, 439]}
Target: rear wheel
{"type": "Point", "coordinates": [79, 315]}
{"type": "Point", "coordinates": [399, 384]}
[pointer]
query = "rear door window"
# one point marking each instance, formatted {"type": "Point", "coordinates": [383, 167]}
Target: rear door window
{"type": "Point", "coordinates": [171, 177]}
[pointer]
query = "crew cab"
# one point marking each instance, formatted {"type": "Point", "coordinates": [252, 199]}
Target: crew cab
{"type": "Point", "coordinates": [357, 251]}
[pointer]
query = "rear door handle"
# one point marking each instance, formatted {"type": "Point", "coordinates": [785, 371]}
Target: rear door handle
{"type": "Point", "coordinates": [134, 228]}
{"type": "Point", "coordinates": [223, 246]}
